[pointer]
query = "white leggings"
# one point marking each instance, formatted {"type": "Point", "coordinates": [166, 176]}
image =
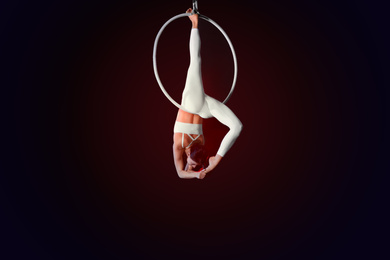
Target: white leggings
{"type": "Point", "coordinates": [194, 99]}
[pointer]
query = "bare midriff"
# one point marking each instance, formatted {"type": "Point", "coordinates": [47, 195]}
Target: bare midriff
{"type": "Point", "coordinates": [185, 117]}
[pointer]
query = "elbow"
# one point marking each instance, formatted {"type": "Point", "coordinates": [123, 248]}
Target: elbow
{"type": "Point", "coordinates": [236, 130]}
{"type": "Point", "coordinates": [180, 174]}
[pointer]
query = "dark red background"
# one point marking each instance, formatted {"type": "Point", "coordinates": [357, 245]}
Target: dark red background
{"type": "Point", "coordinates": [88, 172]}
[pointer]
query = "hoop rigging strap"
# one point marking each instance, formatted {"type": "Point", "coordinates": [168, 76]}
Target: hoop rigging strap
{"type": "Point", "coordinates": [195, 6]}
{"type": "Point", "coordinates": [155, 60]}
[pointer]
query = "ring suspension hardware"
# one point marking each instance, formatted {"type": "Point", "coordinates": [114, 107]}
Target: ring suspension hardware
{"type": "Point", "coordinates": [195, 7]}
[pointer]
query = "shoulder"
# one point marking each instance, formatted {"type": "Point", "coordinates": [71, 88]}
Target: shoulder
{"type": "Point", "coordinates": [177, 139]}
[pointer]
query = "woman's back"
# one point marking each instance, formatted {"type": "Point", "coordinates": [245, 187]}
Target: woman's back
{"type": "Point", "coordinates": [193, 123]}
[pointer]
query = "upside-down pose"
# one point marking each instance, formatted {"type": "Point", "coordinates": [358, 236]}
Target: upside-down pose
{"type": "Point", "coordinates": [188, 136]}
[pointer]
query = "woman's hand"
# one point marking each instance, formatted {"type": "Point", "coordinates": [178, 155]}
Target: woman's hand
{"type": "Point", "coordinates": [202, 174]}
{"type": "Point", "coordinates": [213, 162]}
{"type": "Point", "coordinates": [187, 174]}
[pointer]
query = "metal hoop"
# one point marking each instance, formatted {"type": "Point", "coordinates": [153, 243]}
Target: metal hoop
{"type": "Point", "coordinates": [155, 61]}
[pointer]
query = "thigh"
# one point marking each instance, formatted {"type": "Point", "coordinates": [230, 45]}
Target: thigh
{"type": "Point", "coordinates": [221, 112]}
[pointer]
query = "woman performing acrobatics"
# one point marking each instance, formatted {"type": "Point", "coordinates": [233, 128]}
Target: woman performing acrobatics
{"type": "Point", "coordinates": [188, 139]}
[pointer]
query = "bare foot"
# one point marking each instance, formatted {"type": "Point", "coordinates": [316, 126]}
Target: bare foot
{"type": "Point", "coordinates": [194, 18]}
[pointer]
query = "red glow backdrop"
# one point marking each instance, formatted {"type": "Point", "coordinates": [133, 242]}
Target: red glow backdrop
{"type": "Point", "coordinates": [91, 133]}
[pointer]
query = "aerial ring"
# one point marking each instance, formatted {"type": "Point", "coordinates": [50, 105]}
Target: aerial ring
{"type": "Point", "coordinates": [155, 61]}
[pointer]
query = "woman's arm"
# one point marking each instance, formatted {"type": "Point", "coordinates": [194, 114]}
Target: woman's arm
{"type": "Point", "coordinates": [213, 162]}
{"type": "Point", "coordinates": [179, 164]}
{"type": "Point", "coordinates": [224, 115]}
